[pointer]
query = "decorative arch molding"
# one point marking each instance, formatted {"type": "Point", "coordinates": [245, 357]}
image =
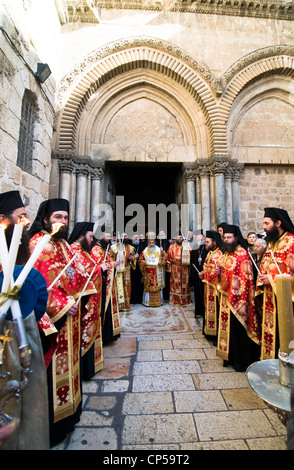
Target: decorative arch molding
{"type": "Point", "coordinates": [276, 60]}
{"type": "Point", "coordinates": [156, 56]}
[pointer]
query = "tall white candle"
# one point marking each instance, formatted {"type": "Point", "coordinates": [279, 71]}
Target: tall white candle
{"type": "Point", "coordinates": [12, 254]}
{"type": "Point", "coordinates": [277, 266]}
{"type": "Point", "coordinates": [61, 272]}
{"type": "Point", "coordinates": [214, 259]}
{"type": "Point", "coordinates": [3, 248]}
{"type": "Point", "coordinates": [31, 261]}
{"type": "Point", "coordinates": [86, 284]}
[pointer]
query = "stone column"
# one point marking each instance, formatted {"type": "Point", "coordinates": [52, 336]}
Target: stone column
{"type": "Point", "coordinates": [65, 176]}
{"type": "Point", "coordinates": [218, 166]}
{"type": "Point", "coordinates": [190, 177]}
{"type": "Point", "coordinates": [235, 192]}
{"type": "Point", "coordinates": [96, 177]}
{"type": "Point", "coordinates": [198, 203]}
{"type": "Point", "coordinates": [204, 173]}
{"type": "Point", "coordinates": [82, 171]}
{"type": "Point", "coordinates": [229, 197]}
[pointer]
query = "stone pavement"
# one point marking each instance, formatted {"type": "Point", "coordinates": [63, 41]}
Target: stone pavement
{"type": "Point", "coordinates": [171, 392]}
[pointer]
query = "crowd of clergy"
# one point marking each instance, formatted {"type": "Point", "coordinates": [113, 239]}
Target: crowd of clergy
{"type": "Point", "coordinates": [71, 299]}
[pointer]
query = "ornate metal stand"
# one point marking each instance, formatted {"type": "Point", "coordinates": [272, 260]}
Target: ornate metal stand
{"type": "Point", "coordinates": [264, 379]}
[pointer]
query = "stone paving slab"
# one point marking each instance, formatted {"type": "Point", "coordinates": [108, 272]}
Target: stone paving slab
{"type": "Point", "coordinates": [188, 402]}
{"type": "Point", "coordinates": [183, 354]}
{"type": "Point", "coordinates": [220, 380]}
{"type": "Point", "coordinates": [159, 428]}
{"type": "Point", "coordinates": [148, 403]}
{"type": "Point", "coordinates": [233, 425]}
{"type": "Point", "coordinates": [242, 399]}
{"type": "Point", "coordinates": [162, 383]}
{"type": "Point", "coordinates": [166, 367]}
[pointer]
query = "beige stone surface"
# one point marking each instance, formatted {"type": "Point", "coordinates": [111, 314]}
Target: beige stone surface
{"type": "Point", "coordinates": [211, 409]}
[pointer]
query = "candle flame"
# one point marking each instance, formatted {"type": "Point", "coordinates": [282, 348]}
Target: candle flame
{"type": "Point", "coordinates": [4, 224]}
{"type": "Point", "coordinates": [24, 221]}
{"type": "Point", "coordinates": [55, 228]}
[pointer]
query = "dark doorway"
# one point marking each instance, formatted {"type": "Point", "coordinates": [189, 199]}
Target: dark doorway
{"type": "Point", "coordinates": [145, 184]}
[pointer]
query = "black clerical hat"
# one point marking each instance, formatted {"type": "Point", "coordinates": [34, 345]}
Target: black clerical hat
{"type": "Point", "coordinates": [46, 208]}
{"type": "Point", "coordinates": [10, 201]}
{"type": "Point", "coordinates": [80, 228]}
{"type": "Point", "coordinates": [215, 236]}
{"type": "Point", "coordinates": [235, 230]}
{"type": "Point", "coordinates": [282, 215]}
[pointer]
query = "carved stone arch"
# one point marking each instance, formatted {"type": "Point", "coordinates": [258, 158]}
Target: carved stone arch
{"type": "Point", "coordinates": [153, 61]}
{"type": "Point", "coordinates": [135, 86]}
{"type": "Point", "coordinates": [263, 112]}
{"type": "Point", "coordinates": [262, 63]}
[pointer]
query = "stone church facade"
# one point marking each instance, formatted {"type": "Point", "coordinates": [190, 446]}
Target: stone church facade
{"type": "Point", "coordinates": [204, 87]}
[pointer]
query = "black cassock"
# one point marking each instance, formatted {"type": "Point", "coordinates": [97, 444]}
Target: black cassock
{"type": "Point", "coordinates": [197, 258]}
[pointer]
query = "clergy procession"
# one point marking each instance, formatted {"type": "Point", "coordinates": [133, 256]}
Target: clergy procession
{"type": "Point", "coordinates": [62, 293]}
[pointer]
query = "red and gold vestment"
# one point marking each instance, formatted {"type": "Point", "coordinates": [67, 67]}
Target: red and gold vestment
{"type": "Point", "coordinates": [151, 264]}
{"type": "Point", "coordinates": [180, 291]}
{"type": "Point", "coordinates": [123, 273]}
{"type": "Point", "coordinates": [98, 254]}
{"type": "Point", "coordinates": [91, 318]}
{"type": "Point", "coordinates": [65, 357]}
{"type": "Point", "coordinates": [283, 251]}
{"type": "Point", "coordinates": [211, 293]}
{"type": "Point", "coordinates": [237, 290]}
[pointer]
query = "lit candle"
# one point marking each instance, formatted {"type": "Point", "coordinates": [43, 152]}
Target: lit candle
{"type": "Point", "coordinates": [86, 284]}
{"type": "Point", "coordinates": [196, 268]}
{"type": "Point", "coordinates": [9, 264]}
{"type": "Point", "coordinates": [214, 259]}
{"type": "Point", "coordinates": [106, 252]}
{"type": "Point", "coordinates": [254, 262]}
{"type": "Point", "coordinates": [285, 312]}
{"type": "Point", "coordinates": [30, 264]}
{"type": "Point", "coordinates": [61, 272]}
{"type": "Point", "coordinates": [3, 247]}
{"type": "Point", "coordinates": [42, 242]}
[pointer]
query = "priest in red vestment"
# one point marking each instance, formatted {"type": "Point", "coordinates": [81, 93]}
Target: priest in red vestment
{"type": "Point", "coordinates": [125, 255]}
{"type": "Point", "coordinates": [279, 256]}
{"type": "Point", "coordinates": [80, 241]}
{"type": "Point", "coordinates": [238, 331]}
{"type": "Point", "coordinates": [101, 253]}
{"type": "Point", "coordinates": [63, 329]}
{"type": "Point", "coordinates": [178, 264]}
{"type": "Point", "coordinates": [209, 276]}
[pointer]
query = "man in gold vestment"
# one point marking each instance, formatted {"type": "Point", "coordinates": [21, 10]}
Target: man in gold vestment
{"type": "Point", "coordinates": [178, 264]}
{"type": "Point", "coordinates": [125, 255]}
{"type": "Point", "coordinates": [209, 276]}
{"type": "Point", "coordinates": [238, 331]}
{"type": "Point", "coordinates": [279, 255]}
{"type": "Point", "coordinates": [151, 263]}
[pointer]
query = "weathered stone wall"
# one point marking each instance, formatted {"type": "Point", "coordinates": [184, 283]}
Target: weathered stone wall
{"type": "Point", "coordinates": [264, 186]}
{"type": "Point", "coordinates": [18, 63]}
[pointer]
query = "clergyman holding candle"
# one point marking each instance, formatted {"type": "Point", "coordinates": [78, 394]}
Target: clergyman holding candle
{"type": "Point", "coordinates": [62, 349]}
{"type": "Point", "coordinates": [277, 260]}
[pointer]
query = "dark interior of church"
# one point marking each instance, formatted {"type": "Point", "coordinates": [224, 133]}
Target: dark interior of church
{"type": "Point", "coordinates": [144, 184]}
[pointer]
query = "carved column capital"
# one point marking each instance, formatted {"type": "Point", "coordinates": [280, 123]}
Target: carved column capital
{"type": "Point", "coordinates": [203, 168]}
{"type": "Point", "coordinates": [97, 173]}
{"type": "Point", "coordinates": [219, 164]}
{"type": "Point", "coordinates": [81, 169]}
{"type": "Point", "coordinates": [237, 168]}
{"type": "Point", "coordinates": [190, 172]}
